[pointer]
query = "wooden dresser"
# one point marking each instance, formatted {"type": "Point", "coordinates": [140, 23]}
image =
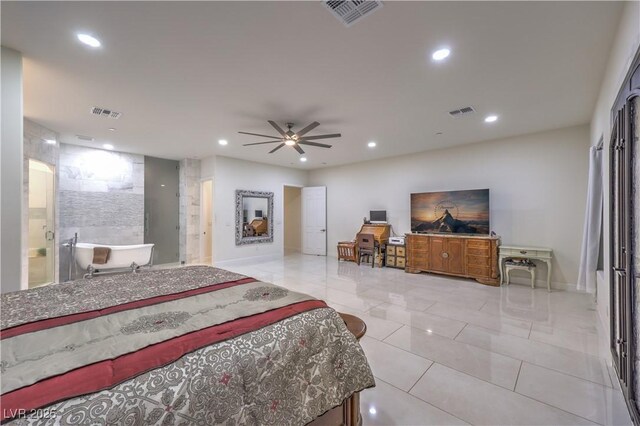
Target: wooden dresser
{"type": "Point", "coordinates": [460, 255]}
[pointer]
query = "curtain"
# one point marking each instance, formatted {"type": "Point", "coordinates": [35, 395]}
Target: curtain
{"type": "Point", "coordinates": [592, 224]}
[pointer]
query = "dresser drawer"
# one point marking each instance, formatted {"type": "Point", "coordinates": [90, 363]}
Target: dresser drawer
{"type": "Point", "coordinates": [517, 253]}
{"type": "Point", "coordinates": [473, 251]}
{"type": "Point", "coordinates": [479, 244]}
{"type": "Point", "coordinates": [391, 250]}
{"type": "Point", "coordinates": [418, 259]}
{"type": "Point", "coordinates": [419, 244]}
{"type": "Point", "coordinates": [478, 261]}
{"type": "Point", "coordinates": [400, 251]}
{"type": "Point", "coordinates": [400, 262]}
{"type": "Point", "coordinates": [391, 261]}
{"type": "Point", "coordinates": [478, 271]}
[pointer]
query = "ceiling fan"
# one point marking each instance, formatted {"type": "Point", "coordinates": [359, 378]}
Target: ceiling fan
{"type": "Point", "coordinates": [294, 139]}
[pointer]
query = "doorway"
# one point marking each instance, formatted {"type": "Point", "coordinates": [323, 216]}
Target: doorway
{"type": "Point", "coordinates": [292, 219]}
{"type": "Point", "coordinates": [41, 223]}
{"type": "Point", "coordinates": [206, 222]}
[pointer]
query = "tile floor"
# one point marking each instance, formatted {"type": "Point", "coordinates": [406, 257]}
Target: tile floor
{"type": "Point", "coordinates": [452, 351]}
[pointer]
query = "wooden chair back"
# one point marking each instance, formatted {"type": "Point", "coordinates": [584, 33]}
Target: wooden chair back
{"type": "Point", "coordinates": [366, 243]}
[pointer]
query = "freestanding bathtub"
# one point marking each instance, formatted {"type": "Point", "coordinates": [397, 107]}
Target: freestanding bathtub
{"type": "Point", "coordinates": [129, 257]}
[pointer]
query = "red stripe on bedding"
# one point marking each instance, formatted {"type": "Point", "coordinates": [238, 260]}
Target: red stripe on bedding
{"type": "Point", "coordinates": [44, 324]}
{"type": "Point", "coordinates": [108, 373]}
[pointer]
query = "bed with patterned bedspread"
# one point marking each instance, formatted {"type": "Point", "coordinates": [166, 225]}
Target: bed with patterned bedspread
{"type": "Point", "coordinates": [186, 346]}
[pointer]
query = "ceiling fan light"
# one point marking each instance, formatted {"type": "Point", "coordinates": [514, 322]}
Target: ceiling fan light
{"type": "Point", "coordinates": [289, 142]}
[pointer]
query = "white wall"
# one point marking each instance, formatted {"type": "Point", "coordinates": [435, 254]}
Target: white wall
{"type": "Point", "coordinates": [231, 174]}
{"type": "Point", "coordinates": [11, 171]}
{"type": "Point", "coordinates": [537, 183]}
{"type": "Point", "coordinates": [621, 55]}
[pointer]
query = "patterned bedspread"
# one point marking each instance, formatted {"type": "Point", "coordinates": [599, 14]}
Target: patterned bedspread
{"type": "Point", "coordinates": [186, 346]}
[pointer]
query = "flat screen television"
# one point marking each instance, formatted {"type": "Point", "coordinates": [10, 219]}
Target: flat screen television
{"type": "Point", "coordinates": [457, 212]}
{"type": "Point", "coordinates": [258, 214]}
{"type": "Point", "coordinates": [378, 216]}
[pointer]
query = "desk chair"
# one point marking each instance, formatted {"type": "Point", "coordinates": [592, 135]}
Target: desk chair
{"type": "Point", "coordinates": [367, 247]}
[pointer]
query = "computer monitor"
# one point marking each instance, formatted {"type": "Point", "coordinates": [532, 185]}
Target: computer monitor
{"type": "Point", "coordinates": [378, 216]}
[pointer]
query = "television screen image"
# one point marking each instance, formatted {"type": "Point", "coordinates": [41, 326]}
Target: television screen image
{"type": "Point", "coordinates": [379, 216]}
{"type": "Point", "coordinates": [458, 212]}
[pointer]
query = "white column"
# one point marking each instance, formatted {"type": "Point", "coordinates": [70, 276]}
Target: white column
{"type": "Point", "coordinates": [11, 171]}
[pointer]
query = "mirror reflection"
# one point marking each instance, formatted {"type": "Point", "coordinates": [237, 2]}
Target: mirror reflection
{"type": "Point", "coordinates": [254, 216]}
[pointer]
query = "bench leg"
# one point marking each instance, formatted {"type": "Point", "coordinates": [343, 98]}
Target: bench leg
{"type": "Point", "coordinates": [507, 274]}
{"type": "Point", "coordinates": [533, 278]}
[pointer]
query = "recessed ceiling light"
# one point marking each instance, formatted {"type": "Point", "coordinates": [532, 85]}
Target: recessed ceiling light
{"type": "Point", "coordinates": [89, 40]}
{"type": "Point", "coordinates": [440, 54]}
{"type": "Point", "coordinates": [223, 142]}
{"type": "Point", "coordinates": [50, 141]}
{"type": "Point", "coordinates": [162, 185]}
{"type": "Point", "coordinates": [112, 129]}
{"type": "Point", "coordinates": [371, 144]}
{"type": "Point", "coordinates": [303, 159]}
{"type": "Point", "coordinates": [490, 118]}
{"type": "Point", "coordinates": [438, 133]}
{"type": "Point", "coordinates": [107, 146]}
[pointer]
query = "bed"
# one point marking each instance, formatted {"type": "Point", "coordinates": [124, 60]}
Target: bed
{"type": "Point", "coordinates": [186, 346]}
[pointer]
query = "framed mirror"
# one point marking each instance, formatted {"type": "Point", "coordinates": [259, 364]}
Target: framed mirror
{"type": "Point", "coordinates": [254, 217]}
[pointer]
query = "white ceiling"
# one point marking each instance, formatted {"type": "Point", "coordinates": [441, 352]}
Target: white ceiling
{"type": "Point", "coordinates": [187, 74]}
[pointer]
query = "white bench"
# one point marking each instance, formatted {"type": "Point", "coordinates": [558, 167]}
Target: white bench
{"type": "Point", "coordinates": [530, 267]}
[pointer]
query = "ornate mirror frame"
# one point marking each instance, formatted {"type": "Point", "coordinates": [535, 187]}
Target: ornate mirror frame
{"type": "Point", "coordinates": [240, 195]}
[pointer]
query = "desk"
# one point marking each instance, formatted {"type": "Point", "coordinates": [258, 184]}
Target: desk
{"type": "Point", "coordinates": [532, 253]}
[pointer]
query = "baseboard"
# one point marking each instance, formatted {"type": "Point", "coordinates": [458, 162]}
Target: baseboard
{"type": "Point", "coordinates": [243, 260]}
{"type": "Point", "coordinates": [543, 284]}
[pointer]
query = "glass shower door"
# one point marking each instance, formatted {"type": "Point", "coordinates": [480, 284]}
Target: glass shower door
{"type": "Point", "coordinates": [41, 224]}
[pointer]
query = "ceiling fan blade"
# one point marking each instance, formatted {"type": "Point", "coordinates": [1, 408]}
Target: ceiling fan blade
{"type": "Point", "coordinates": [258, 134]}
{"type": "Point", "coordinates": [297, 147]}
{"type": "Point", "coordinates": [276, 148]}
{"type": "Point", "coordinates": [278, 128]}
{"type": "Point", "coordinates": [260, 143]}
{"type": "Point", "coordinates": [332, 135]}
{"type": "Point", "coordinates": [321, 145]}
{"type": "Point", "coordinates": [308, 128]}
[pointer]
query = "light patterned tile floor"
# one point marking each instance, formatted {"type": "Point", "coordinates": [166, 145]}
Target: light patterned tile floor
{"type": "Point", "coordinates": [452, 351]}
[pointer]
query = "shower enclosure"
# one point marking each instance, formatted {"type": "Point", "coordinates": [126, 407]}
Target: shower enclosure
{"type": "Point", "coordinates": [41, 223]}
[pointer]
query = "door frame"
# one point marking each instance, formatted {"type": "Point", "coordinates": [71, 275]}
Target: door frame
{"type": "Point", "coordinates": [213, 218]}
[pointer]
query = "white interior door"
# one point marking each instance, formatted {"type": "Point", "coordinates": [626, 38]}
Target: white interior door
{"type": "Point", "coordinates": [314, 220]}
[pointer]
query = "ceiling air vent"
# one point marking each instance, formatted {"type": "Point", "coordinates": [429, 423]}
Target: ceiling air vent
{"type": "Point", "coordinates": [105, 112]}
{"type": "Point", "coordinates": [85, 138]}
{"type": "Point", "coordinates": [462, 112]}
{"type": "Point", "coordinates": [350, 11]}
